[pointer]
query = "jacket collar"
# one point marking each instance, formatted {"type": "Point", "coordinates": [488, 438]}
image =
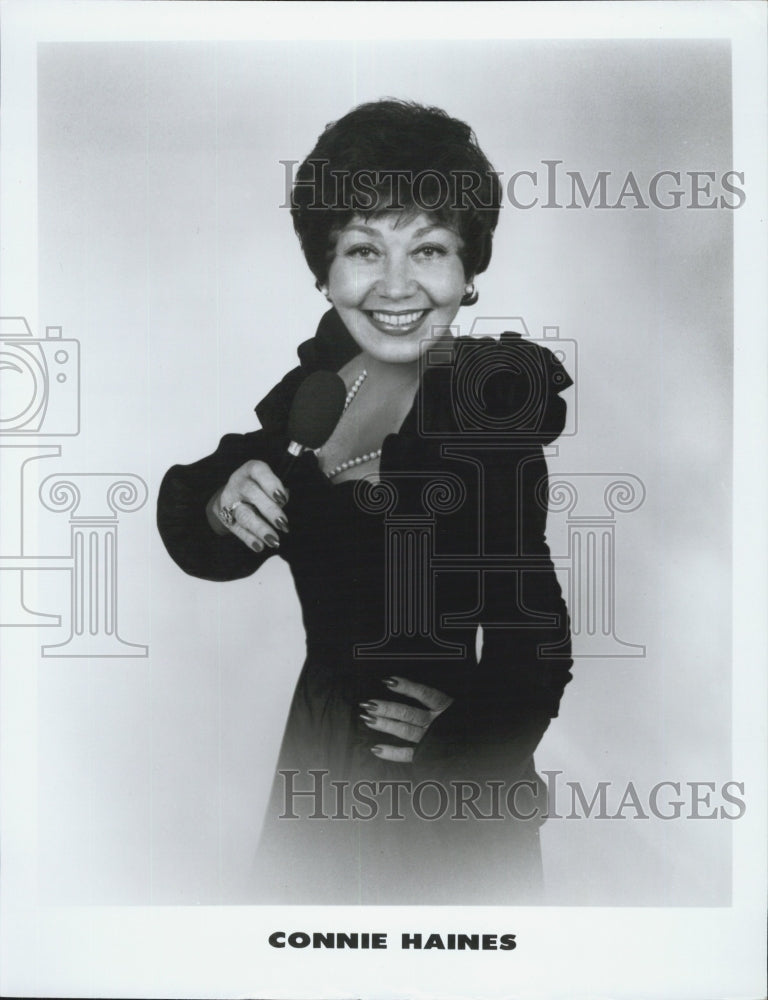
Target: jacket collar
{"type": "Point", "coordinates": [331, 347]}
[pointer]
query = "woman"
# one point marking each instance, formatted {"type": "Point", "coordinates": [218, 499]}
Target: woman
{"type": "Point", "coordinates": [406, 771]}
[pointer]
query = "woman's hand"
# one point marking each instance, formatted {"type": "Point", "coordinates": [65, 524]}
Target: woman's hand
{"type": "Point", "coordinates": [250, 506]}
{"type": "Point", "coordinates": [404, 721]}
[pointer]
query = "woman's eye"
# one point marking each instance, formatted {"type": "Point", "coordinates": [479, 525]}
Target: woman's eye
{"type": "Point", "coordinates": [431, 252]}
{"type": "Point", "coordinates": [362, 252]}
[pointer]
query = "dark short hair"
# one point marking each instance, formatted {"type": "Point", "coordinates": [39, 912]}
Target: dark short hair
{"type": "Point", "coordinates": [393, 155]}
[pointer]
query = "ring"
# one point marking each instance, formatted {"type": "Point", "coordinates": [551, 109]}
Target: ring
{"type": "Point", "coordinates": [227, 514]}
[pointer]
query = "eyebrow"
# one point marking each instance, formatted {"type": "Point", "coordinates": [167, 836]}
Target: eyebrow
{"type": "Point", "coordinates": [370, 231]}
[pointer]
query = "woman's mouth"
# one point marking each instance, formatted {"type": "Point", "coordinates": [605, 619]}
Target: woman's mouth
{"type": "Point", "coordinates": [397, 323]}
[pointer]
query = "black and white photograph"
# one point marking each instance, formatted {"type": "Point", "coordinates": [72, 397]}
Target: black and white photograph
{"type": "Point", "coordinates": [383, 546]}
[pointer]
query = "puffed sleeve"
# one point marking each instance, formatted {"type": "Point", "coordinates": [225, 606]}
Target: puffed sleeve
{"type": "Point", "coordinates": [510, 387]}
{"type": "Point", "coordinates": [181, 510]}
{"type": "Point", "coordinates": [496, 722]}
{"type": "Point", "coordinates": [186, 489]}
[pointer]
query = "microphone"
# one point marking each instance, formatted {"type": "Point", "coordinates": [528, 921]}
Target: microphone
{"type": "Point", "coordinates": [316, 409]}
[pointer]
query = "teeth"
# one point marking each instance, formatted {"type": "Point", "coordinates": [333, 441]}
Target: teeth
{"type": "Point", "coordinates": [398, 319]}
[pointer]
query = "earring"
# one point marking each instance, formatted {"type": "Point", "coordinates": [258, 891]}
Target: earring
{"type": "Point", "coordinates": [470, 295]}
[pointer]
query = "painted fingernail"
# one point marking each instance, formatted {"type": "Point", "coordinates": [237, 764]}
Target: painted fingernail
{"type": "Point", "coordinates": [272, 540]}
{"type": "Point", "coordinates": [279, 497]}
{"type": "Point", "coordinates": [367, 718]}
{"type": "Point", "coordinates": [390, 682]}
{"type": "Point", "coordinates": [257, 546]}
{"type": "Point", "coordinates": [377, 750]}
{"type": "Point", "coordinates": [370, 706]}
{"type": "Point", "coordinates": [282, 524]}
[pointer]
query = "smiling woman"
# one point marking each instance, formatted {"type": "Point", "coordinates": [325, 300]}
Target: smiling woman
{"type": "Point", "coordinates": [396, 278]}
{"type": "Point", "coordinates": [396, 282]}
{"type": "Point", "coordinates": [418, 521]}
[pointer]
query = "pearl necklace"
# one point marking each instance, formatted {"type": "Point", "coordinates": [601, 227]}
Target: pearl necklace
{"type": "Point", "coordinates": [360, 459]}
{"type": "Point", "coordinates": [355, 388]}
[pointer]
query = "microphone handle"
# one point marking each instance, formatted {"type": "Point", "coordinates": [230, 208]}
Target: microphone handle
{"type": "Point", "coordinates": [288, 461]}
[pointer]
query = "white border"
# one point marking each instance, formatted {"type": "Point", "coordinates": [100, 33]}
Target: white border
{"type": "Point", "coordinates": [567, 952]}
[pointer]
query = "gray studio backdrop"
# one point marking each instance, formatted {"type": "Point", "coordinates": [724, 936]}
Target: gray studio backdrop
{"type": "Point", "coordinates": [166, 251]}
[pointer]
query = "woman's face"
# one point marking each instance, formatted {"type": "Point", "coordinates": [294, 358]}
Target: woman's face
{"type": "Point", "coordinates": [396, 282]}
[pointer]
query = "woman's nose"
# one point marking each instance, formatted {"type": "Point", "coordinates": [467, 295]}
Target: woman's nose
{"type": "Point", "coordinates": [397, 280]}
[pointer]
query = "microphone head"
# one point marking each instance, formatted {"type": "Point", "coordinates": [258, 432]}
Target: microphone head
{"type": "Point", "coordinates": [317, 406]}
